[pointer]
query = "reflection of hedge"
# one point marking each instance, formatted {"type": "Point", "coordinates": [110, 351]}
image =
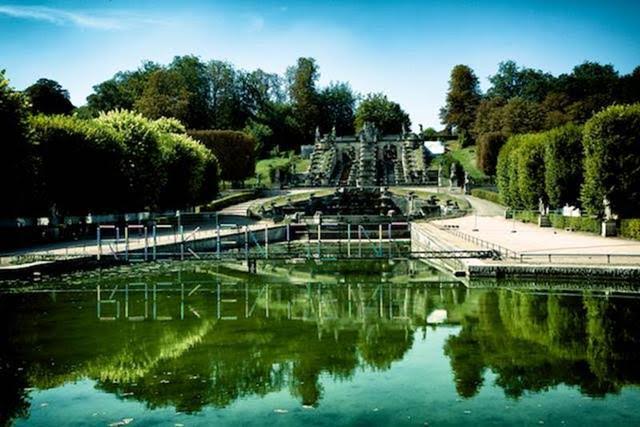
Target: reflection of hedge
{"type": "Point", "coordinates": [234, 150]}
{"type": "Point", "coordinates": [630, 228]}
{"type": "Point", "coordinates": [491, 196]}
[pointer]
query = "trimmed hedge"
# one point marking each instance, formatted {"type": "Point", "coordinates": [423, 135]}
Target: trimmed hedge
{"type": "Point", "coordinates": [491, 196]}
{"type": "Point", "coordinates": [234, 150]}
{"type": "Point", "coordinates": [612, 166]}
{"type": "Point", "coordinates": [577, 223]}
{"type": "Point", "coordinates": [630, 228]}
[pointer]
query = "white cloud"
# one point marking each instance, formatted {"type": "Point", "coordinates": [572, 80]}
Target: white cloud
{"type": "Point", "coordinates": [93, 20]}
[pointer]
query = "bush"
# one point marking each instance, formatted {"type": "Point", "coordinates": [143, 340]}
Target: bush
{"type": "Point", "coordinates": [579, 223]}
{"type": "Point", "coordinates": [491, 196]}
{"type": "Point", "coordinates": [234, 150]}
{"type": "Point", "coordinates": [520, 171]}
{"type": "Point", "coordinates": [563, 160]}
{"type": "Point", "coordinates": [143, 157]}
{"type": "Point", "coordinates": [101, 165]}
{"type": "Point", "coordinates": [630, 228]}
{"type": "Point", "coordinates": [489, 145]}
{"type": "Point", "coordinates": [81, 164]}
{"type": "Point", "coordinates": [17, 166]}
{"type": "Point", "coordinates": [191, 172]}
{"type": "Point", "coordinates": [611, 164]}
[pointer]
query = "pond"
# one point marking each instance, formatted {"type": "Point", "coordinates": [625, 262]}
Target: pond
{"type": "Point", "coordinates": [331, 344]}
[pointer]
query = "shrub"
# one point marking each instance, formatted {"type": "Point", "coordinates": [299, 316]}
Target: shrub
{"type": "Point", "coordinates": [143, 158]}
{"type": "Point", "coordinates": [489, 145]}
{"type": "Point", "coordinates": [521, 171]}
{"type": "Point", "coordinates": [611, 164]}
{"type": "Point", "coordinates": [17, 166]}
{"type": "Point", "coordinates": [630, 228]}
{"type": "Point", "coordinates": [579, 223]}
{"type": "Point", "coordinates": [234, 150]}
{"type": "Point", "coordinates": [81, 165]}
{"type": "Point", "coordinates": [491, 196]}
{"type": "Point", "coordinates": [191, 171]}
{"type": "Point", "coordinates": [530, 174]}
{"type": "Point", "coordinates": [563, 160]}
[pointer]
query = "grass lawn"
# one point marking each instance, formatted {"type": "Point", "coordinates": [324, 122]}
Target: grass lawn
{"type": "Point", "coordinates": [466, 157]}
{"type": "Point", "coordinates": [263, 166]}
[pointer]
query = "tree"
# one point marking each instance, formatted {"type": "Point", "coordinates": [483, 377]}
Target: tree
{"type": "Point", "coordinates": [81, 156]}
{"type": "Point", "coordinates": [388, 116]}
{"type": "Point", "coordinates": [164, 95]}
{"type": "Point", "coordinates": [563, 160]}
{"type": "Point", "coordinates": [304, 96]}
{"type": "Point", "coordinates": [337, 108]}
{"type": "Point", "coordinates": [17, 165]}
{"type": "Point", "coordinates": [143, 157]}
{"type": "Point", "coordinates": [121, 91]}
{"type": "Point", "coordinates": [529, 158]}
{"type": "Point", "coordinates": [521, 116]}
{"type": "Point", "coordinates": [611, 163]}
{"type": "Point", "coordinates": [48, 97]}
{"type": "Point", "coordinates": [512, 81]}
{"type": "Point", "coordinates": [234, 150]}
{"type": "Point", "coordinates": [489, 145]}
{"type": "Point", "coordinates": [462, 101]}
{"type": "Point", "coordinates": [195, 82]}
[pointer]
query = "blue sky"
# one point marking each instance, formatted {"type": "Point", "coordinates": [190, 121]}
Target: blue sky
{"type": "Point", "coordinates": [405, 49]}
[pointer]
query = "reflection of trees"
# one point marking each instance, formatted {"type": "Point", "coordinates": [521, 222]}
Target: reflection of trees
{"type": "Point", "coordinates": [293, 336]}
{"type": "Point", "coordinates": [534, 342]}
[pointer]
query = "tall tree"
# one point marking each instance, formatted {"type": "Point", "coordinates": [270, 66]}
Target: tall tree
{"type": "Point", "coordinates": [193, 74]}
{"type": "Point", "coordinates": [511, 81]}
{"type": "Point", "coordinates": [387, 115]}
{"type": "Point", "coordinates": [337, 108]}
{"type": "Point", "coordinates": [122, 90]}
{"type": "Point", "coordinates": [165, 95]}
{"type": "Point", "coordinates": [16, 166]}
{"type": "Point", "coordinates": [462, 100]}
{"type": "Point", "coordinates": [302, 80]}
{"type": "Point", "coordinates": [48, 97]}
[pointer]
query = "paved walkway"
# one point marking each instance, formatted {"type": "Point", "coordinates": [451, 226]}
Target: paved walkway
{"type": "Point", "coordinates": [532, 244]}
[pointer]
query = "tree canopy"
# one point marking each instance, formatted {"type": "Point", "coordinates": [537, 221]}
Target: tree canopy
{"type": "Point", "coordinates": [387, 115]}
{"type": "Point", "coordinates": [48, 97]}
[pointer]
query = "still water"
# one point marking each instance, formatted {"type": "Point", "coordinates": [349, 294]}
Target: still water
{"type": "Point", "coordinates": [380, 344]}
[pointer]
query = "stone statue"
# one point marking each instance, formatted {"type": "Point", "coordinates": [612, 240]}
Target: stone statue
{"type": "Point", "coordinates": [317, 133]}
{"type": "Point", "coordinates": [540, 206]}
{"type": "Point", "coordinates": [608, 215]}
{"type": "Point", "coordinates": [404, 130]}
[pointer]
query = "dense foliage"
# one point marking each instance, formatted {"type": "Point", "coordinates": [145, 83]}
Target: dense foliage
{"type": "Point", "coordinates": [525, 100]}
{"type": "Point", "coordinates": [16, 163]}
{"type": "Point", "coordinates": [563, 165]}
{"type": "Point", "coordinates": [611, 162]}
{"type": "Point", "coordinates": [462, 101]}
{"type": "Point", "coordinates": [48, 97]}
{"type": "Point", "coordinates": [234, 150]}
{"type": "Point", "coordinates": [121, 161]}
{"type": "Point", "coordinates": [386, 115]}
{"type": "Point", "coordinates": [279, 111]}
{"type": "Point", "coordinates": [488, 148]}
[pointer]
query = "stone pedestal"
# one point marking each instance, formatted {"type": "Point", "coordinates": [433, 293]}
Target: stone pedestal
{"type": "Point", "coordinates": [609, 229]}
{"type": "Point", "coordinates": [544, 221]}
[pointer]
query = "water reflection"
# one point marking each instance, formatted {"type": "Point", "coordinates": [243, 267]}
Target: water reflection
{"type": "Point", "coordinates": [192, 344]}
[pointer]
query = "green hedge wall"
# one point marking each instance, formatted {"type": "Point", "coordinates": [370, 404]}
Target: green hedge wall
{"type": "Point", "coordinates": [491, 196]}
{"type": "Point", "coordinates": [580, 223]}
{"type": "Point", "coordinates": [630, 228]}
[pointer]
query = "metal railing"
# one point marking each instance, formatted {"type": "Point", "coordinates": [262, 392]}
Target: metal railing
{"type": "Point", "coordinates": [504, 252]}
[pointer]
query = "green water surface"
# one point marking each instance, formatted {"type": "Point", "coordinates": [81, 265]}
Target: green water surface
{"type": "Point", "coordinates": [332, 344]}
